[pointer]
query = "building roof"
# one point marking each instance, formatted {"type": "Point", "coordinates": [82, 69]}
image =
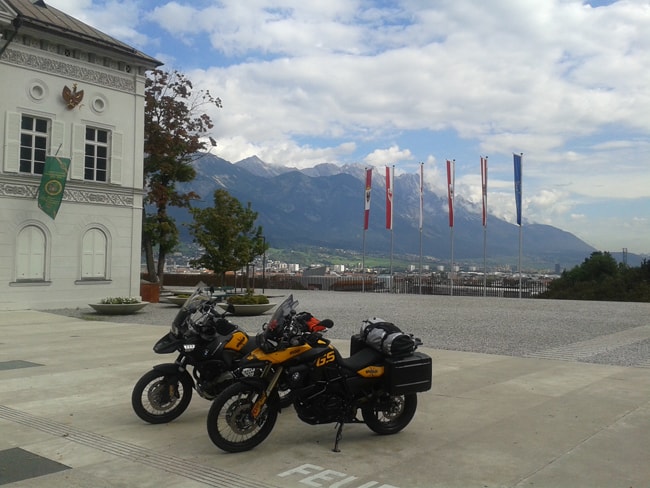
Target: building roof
{"type": "Point", "coordinates": [36, 14]}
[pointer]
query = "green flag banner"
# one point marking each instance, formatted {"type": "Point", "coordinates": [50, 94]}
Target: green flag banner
{"type": "Point", "coordinates": [50, 193]}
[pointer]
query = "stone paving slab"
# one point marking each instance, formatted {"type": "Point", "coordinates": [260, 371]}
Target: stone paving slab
{"type": "Point", "coordinates": [489, 421]}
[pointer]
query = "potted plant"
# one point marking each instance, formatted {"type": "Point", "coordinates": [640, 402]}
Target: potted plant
{"type": "Point", "coordinates": [178, 299]}
{"type": "Point", "coordinates": [248, 304]}
{"type": "Point", "coordinates": [118, 305]}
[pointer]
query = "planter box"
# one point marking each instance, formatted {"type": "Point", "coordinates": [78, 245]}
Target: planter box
{"type": "Point", "coordinates": [176, 300]}
{"type": "Point", "coordinates": [118, 308]}
{"type": "Point", "coordinates": [150, 292]}
{"type": "Point", "coordinates": [256, 309]}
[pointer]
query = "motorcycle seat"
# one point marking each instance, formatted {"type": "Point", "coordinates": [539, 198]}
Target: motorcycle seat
{"type": "Point", "coordinates": [361, 359]}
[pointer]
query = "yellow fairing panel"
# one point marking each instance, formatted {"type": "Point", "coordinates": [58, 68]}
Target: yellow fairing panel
{"type": "Point", "coordinates": [371, 372]}
{"type": "Point", "coordinates": [237, 341]}
{"type": "Point", "coordinates": [278, 357]}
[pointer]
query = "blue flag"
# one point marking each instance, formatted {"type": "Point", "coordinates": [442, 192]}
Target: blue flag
{"type": "Point", "coordinates": [517, 161]}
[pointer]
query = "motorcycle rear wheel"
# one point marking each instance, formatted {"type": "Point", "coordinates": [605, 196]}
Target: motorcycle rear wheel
{"type": "Point", "coordinates": [230, 424]}
{"type": "Point", "coordinates": [391, 414]}
{"type": "Point", "coordinates": [158, 398]}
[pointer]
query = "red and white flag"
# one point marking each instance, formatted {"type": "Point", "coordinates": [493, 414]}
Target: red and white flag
{"type": "Point", "coordinates": [366, 215]}
{"type": "Point", "coordinates": [421, 194]}
{"type": "Point", "coordinates": [484, 179]}
{"type": "Point", "coordinates": [450, 189]}
{"type": "Point", "coordinates": [390, 173]}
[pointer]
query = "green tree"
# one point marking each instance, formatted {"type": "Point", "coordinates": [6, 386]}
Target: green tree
{"type": "Point", "coordinates": [173, 133]}
{"type": "Point", "coordinates": [600, 277]}
{"type": "Point", "coordinates": [227, 233]}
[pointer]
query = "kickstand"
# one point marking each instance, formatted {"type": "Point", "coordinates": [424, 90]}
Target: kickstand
{"type": "Point", "coordinates": [339, 436]}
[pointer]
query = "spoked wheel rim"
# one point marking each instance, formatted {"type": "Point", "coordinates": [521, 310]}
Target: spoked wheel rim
{"type": "Point", "coordinates": [387, 413]}
{"type": "Point", "coordinates": [235, 421]}
{"type": "Point", "coordinates": [162, 396]}
{"type": "Point", "coordinates": [158, 398]}
{"type": "Point", "coordinates": [231, 424]}
{"type": "Point", "coordinates": [391, 413]}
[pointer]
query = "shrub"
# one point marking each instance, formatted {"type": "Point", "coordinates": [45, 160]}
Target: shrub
{"type": "Point", "coordinates": [248, 299]}
{"type": "Point", "coordinates": [119, 300]}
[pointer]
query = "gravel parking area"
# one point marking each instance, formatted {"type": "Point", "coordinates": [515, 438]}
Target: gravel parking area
{"type": "Point", "coordinates": [600, 332]}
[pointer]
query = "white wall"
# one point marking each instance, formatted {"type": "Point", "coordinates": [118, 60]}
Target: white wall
{"type": "Point", "coordinates": [33, 76]}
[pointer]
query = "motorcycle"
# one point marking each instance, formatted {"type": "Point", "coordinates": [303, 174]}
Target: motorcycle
{"type": "Point", "coordinates": [207, 344]}
{"type": "Point", "coordinates": [379, 382]}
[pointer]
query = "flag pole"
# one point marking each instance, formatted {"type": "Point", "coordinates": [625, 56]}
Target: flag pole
{"type": "Point", "coordinates": [390, 173]}
{"type": "Point", "coordinates": [517, 159]}
{"type": "Point", "coordinates": [521, 240]}
{"type": "Point", "coordinates": [421, 219]}
{"type": "Point", "coordinates": [392, 232]}
{"type": "Point", "coordinates": [451, 177]}
{"type": "Point", "coordinates": [363, 264]}
{"type": "Point", "coordinates": [366, 219]}
{"type": "Point", "coordinates": [391, 261]}
{"type": "Point", "coordinates": [520, 245]}
{"type": "Point", "coordinates": [484, 168]}
{"type": "Point", "coordinates": [451, 268]}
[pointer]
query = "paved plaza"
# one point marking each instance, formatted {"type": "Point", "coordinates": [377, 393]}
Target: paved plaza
{"type": "Point", "coordinates": [525, 393]}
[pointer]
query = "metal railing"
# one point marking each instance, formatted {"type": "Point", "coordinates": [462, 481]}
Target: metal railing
{"type": "Point", "coordinates": [411, 284]}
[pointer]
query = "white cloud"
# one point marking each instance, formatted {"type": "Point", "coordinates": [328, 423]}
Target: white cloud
{"type": "Point", "coordinates": [388, 157]}
{"type": "Point", "coordinates": [348, 80]}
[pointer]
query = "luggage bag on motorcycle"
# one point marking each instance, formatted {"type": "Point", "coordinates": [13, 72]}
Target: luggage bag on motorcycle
{"type": "Point", "coordinates": [387, 338]}
{"type": "Point", "coordinates": [411, 374]}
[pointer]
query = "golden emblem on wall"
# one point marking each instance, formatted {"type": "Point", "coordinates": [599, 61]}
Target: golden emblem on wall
{"type": "Point", "coordinates": [72, 97]}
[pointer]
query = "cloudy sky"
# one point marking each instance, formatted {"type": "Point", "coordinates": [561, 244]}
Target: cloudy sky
{"type": "Point", "coordinates": [565, 82]}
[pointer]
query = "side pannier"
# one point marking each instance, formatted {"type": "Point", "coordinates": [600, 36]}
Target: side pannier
{"type": "Point", "coordinates": [411, 374]}
{"type": "Point", "coordinates": [387, 338]}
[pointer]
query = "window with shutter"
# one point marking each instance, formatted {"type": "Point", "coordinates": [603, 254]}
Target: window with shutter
{"type": "Point", "coordinates": [34, 139]}
{"type": "Point", "coordinates": [96, 154]}
{"type": "Point", "coordinates": [93, 260]}
{"type": "Point", "coordinates": [30, 254]}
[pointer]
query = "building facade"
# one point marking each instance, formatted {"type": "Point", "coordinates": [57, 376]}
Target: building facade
{"type": "Point", "coordinates": [72, 93]}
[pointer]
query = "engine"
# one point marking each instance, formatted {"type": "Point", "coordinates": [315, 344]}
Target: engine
{"type": "Point", "coordinates": [208, 386]}
{"type": "Point", "coordinates": [321, 409]}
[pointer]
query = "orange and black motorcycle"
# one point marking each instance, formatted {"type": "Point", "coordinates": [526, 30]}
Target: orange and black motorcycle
{"type": "Point", "coordinates": [208, 349]}
{"type": "Point", "coordinates": [327, 388]}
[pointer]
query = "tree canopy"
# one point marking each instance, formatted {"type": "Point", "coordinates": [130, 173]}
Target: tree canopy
{"type": "Point", "coordinates": [173, 134]}
{"type": "Point", "coordinates": [600, 277]}
{"type": "Point", "coordinates": [227, 234]}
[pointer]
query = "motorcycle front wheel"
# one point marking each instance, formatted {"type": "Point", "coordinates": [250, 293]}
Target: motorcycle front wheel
{"type": "Point", "coordinates": [231, 426]}
{"type": "Point", "coordinates": [158, 398]}
{"type": "Point", "coordinates": [390, 414]}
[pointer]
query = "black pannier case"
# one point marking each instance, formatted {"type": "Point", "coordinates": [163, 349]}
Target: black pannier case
{"type": "Point", "coordinates": [410, 374]}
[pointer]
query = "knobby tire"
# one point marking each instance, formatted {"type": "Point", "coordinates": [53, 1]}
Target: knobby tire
{"type": "Point", "coordinates": [152, 400]}
{"type": "Point", "coordinates": [230, 425]}
{"type": "Point", "coordinates": [392, 415]}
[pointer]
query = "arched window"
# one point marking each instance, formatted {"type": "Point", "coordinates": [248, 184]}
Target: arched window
{"type": "Point", "coordinates": [30, 254]}
{"type": "Point", "coordinates": [93, 255]}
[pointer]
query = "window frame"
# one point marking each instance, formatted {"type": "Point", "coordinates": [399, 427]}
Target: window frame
{"type": "Point", "coordinates": [46, 254]}
{"type": "Point", "coordinates": [33, 159]}
{"type": "Point", "coordinates": [89, 259]}
{"type": "Point", "coordinates": [97, 151]}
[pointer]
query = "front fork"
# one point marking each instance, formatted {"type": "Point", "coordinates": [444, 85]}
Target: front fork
{"type": "Point", "coordinates": [261, 400]}
{"type": "Point", "coordinates": [175, 370]}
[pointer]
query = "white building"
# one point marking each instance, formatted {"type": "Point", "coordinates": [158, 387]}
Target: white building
{"type": "Point", "coordinates": [70, 91]}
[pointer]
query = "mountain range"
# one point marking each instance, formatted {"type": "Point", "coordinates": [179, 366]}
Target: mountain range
{"type": "Point", "coordinates": [323, 207]}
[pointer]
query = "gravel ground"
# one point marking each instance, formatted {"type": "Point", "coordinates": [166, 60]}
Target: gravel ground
{"type": "Point", "coordinates": [507, 326]}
